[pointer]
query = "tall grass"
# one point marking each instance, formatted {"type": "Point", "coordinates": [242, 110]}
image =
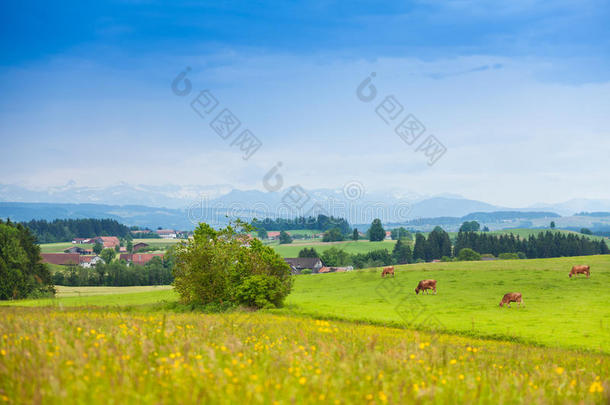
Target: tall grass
{"type": "Point", "coordinates": [48, 355]}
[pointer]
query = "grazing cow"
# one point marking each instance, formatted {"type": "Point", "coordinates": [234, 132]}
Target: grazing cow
{"type": "Point", "coordinates": [426, 285]}
{"type": "Point", "coordinates": [512, 297]}
{"type": "Point", "coordinates": [580, 270]}
{"type": "Point", "coordinates": [387, 271]}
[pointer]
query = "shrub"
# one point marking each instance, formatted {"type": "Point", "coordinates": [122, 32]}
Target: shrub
{"type": "Point", "coordinates": [260, 291]}
{"type": "Point", "coordinates": [211, 268]}
{"type": "Point", "coordinates": [306, 271]}
{"type": "Point", "coordinates": [468, 254]}
{"type": "Point", "coordinates": [446, 259]}
{"type": "Point", "coordinates": [508, 256]}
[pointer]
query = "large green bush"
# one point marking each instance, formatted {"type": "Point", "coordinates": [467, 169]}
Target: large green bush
{"type": "Point", "coordinates": [260, 291]}
{"type": "Point", "coordinates": [468, 254]}
{"type": "Point", "coordinates": [219, 267]}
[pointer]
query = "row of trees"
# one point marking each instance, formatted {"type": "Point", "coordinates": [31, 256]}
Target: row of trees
{"type": "Point", "coordinates": [64, 230]}
{"type": "Point", "coordinates": [22, 275]}
{"type": "Point", "coordinates": [117, 273]}
{"type": "Point", "coordinates": [320, 223]}
{"type": "Point", "coordinates": [543, 245]}
{"type": "Point", "coordinates": [335, 257]}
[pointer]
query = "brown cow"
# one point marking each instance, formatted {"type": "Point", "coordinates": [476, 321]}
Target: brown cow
{"type": "Point", "coordinates": [580, 270]}
{"type": "Point", "coordinates": [426, 285]}
{"type": "Point", "coordinates": [512, 297]}
{"type": "Point", "coordinates": [387, 271]}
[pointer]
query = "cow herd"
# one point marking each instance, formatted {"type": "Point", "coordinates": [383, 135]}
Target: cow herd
{"type": "Point", "coordinates": [425, 285]}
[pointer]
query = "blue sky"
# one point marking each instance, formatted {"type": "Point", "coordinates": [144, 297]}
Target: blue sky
{"type": "Point", "coordinates": [518, 92]}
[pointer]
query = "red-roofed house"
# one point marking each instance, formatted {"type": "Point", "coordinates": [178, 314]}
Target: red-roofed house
{"type": "Point", "coordinates": [109, 241]}
{"type": "Point", "coordinates": [140, 258]}
{"type": "Point", "coordinates": [167, 234]}
{"type": "Point", "coordinates": [62, 259]}
{"type": "Point", "coordinates": [65, 259]}
{"type": "Point", "coordinates": [273, 234]}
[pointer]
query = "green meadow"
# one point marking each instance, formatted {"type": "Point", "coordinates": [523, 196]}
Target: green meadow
{"type": "Point", "coordinates": [352, 247]}
{"type": "Point", "coordinates": [558, 311]}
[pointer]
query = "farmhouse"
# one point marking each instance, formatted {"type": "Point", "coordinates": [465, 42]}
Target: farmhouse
{"type": "Point", "coordinates": [109, 242]}
{"type": "Point", "coordinates": [139, 245]}
{"type": "Point", "coordinates": [90, 261]}
{"type": "Point", "coordinates": [106, 241]}
{"type": "Point", "coordinates": [67, 259]}
{"type": "Point", "coordinates": [273, 235]}
{"type": "Point", "coordinates": [301, 263]}
{"type": "Point", "coordinates": [167, 234]}
{"type": "Point", "coordinates": [140, 258]}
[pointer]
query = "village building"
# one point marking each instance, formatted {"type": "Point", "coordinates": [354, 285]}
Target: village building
{"type": "Point", "coordinates": [298, 264]}
{"type": "Point", "coordinates": [140, 258]}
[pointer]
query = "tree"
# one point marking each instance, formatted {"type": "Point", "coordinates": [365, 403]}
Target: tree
{"type": "Point", "coordinates": [215, 267]}
{"type": "Point", "coordinates": [308, 252]}
{"type": "Point", "coordinates": [485, 229]}
{"type": "Point", "coordinates": [470, 226]}
{"type": "Point", "coordinates": [419, 250]}
{"type": "Point", "coordinates": [401, 233]}
{"type": "Point", "coordinates": [468, 254]}
{"type": "Point", "coordinates": [129, 246]}
{"type": "Point", "coordinates": [355, 234]}
{"type": "Point", "coordinates": [438, 244]}
{"type": "Point", "coordinates": [332, 235]}
{"type": "Point", "coordinates": [402, 252]}
{"type": "Point", "coordinates": [586, 231]}
{"type": "Point", "coordinates": [22, 274]}
{"type": "Point", "coordinates": [97, 248]}
{"type": "Point", "coordinates": [108, 255]}
{"type": "Point", "coordinates": [335, 257]}
{"type": "Point", "coordinates": [552, 224]}
{"type": "Point", "coordinates": [376, 231]}
{"type": "Point", "coordinates": [285, 238]}
{"type": "Point", "coordinates": [262, 234]}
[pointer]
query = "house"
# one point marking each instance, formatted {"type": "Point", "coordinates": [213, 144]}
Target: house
{"type": "Point", "coordinates": [388, 235]}
{"type": "Point", "coordinates": [273, 235]}
{"type": "Point", "coordinates": [79, 241]}
{"type": "Point", "coordinates": [90, 261]}
{"type": "Point", "coordinates": [109, 242]}
{"type": "Point", "coordinates": [139, 245]}
{"type": "Point", "coordinates": [67, 259]}
{"type": "Point", "coordinates": [140, 258]}
{"type": "Point", "coordinates": [300, 263]}
{"type": "Point", "coordinates": [167, 234]}
{"type": "Point", "coordinates": [62, 259]}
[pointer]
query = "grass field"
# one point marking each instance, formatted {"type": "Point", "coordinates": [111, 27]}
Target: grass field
{"type": "Point", "coordinates": [360, 246]}
{"type": "Point", "coordinates": [61, 246]}
{"type": "Point", "coordinates": [54, 356]}
{"type": "Point", "coordinates": [559, 311]}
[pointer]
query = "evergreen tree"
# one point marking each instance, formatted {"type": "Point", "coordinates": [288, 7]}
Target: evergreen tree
{"type": "Point", "coordinates": [308, 252]}
{"type": "Point", "coordinates": [355, 234]}
{"type": "Point", "coordinates": [402, 252]}
{"type": "Point", "coordinates": [419, 250]}
{"type": "Point", "coordinates": [376, 231]}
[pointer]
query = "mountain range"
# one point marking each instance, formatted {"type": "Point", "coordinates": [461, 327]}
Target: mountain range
{"type": "Point", "coordinates": [182, 207]}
